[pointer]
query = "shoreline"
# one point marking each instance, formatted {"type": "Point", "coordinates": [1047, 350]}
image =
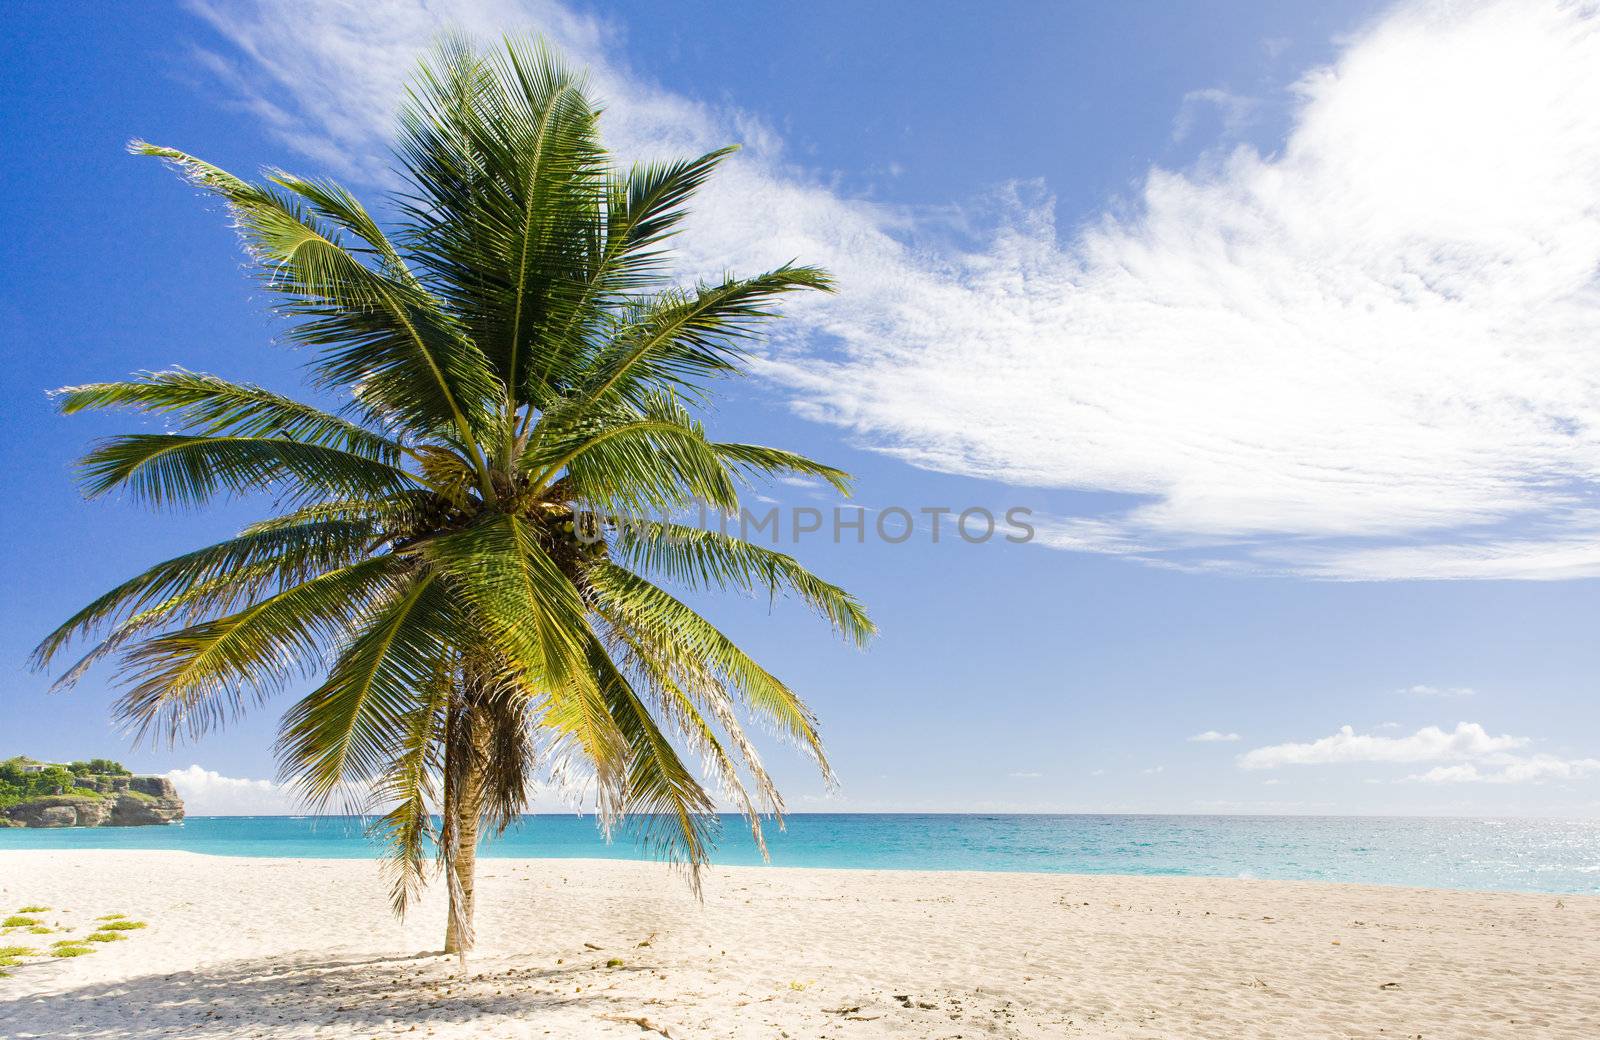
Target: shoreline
{"type": "Point", "coordinates": [375, 862]}
{"type": "Point", "coordinates": [1486, 855]}
{"type": "Point", "coordinates": [245, 946]}
{"type": "Point", "coordinates": [939, 813]}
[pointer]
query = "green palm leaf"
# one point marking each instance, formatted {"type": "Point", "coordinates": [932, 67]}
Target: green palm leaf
{"type": "Point", "coordinates": [514, 184]}
{"type": "Point", "coordinates": [191, 470]}
{"type": "Point", "coordinates": [383, 335]}
{"type": "Point", "coordinates": [707, 559]}
{"type": "Point", "coordinates": [687, 646]}
{"type": "Point", "coordinates": [210, 406]}
{"type": "Point", "coordinates": [240, 567]}
{"type": "Point", "coordinates": [532, 617]}
{"type": "Point", "coordinates": [654, 459]}
{"type": "Point", "coordinates": [198, 677]}
{"type": "Point", "coordinates": [755, 460]}
{"type": "Point", "coordinates": [408, 786]}
{"type": "Point", "coordinates": [343, 734]}
{"type": "Point", "coordinates": [675, 815]}
{"type": "Point", "coordinates": [678, 340]}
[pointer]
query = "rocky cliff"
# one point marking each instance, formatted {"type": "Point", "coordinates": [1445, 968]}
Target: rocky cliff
{"type": "Point", "coordinates": [101, 801]}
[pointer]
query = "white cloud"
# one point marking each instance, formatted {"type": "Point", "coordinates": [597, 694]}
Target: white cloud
{"type": "Point", "coordinates": [1468, 740]}
{"type": "Point", "coordinates": [1025, 776]}
{"type": "Point", "coordinates": [1474, 756]}
{"type": "Point", "coordinates": [1365, 355]}
{"type": "Point", "coordinates": [1212, 736]}
{"type": "Point", "coordinates": [1153, 770]}
{"type": "Point", "coordinates": [1534, 769]}
{"type": "Point", "coordinates": [1426, 690]}
{"type": "Point", "coordinates": [205, 792]}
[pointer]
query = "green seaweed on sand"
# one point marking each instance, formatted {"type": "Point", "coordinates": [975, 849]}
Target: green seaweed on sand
{"type": "Point", "coordinates": [107, 937]}
{"type": "Point", "coordinates": [121, 926]}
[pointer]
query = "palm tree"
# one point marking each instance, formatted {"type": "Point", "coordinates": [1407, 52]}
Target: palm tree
{"type": "Point", "coordinates": [464, 551]}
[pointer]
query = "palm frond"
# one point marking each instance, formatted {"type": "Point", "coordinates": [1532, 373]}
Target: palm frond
{"type": "Point", "coordinates": [378, 515]}
{"type": "Point", "coordinates": [199, 677]}
{"type": "Point", "coordinates": [186, 470]}
{"type": "Point", "coordinates": [510, 190]}
{"type": "Point", "coordinates": [758, 460]}
{"type": "Point", "coordinates": [335, 204]}
{"type": "Point", "coordinates": [701, 558]}
{"type": "Point", "coordinates": [643, 209]}
{"type": "Point", "coordinates": [409, 787]}
{"type": "Point", "coordinates": [677, 340]}
{"type": "Point", "coordinates": [210, 406]}
{"type": "Point", "coordinates": [343, 734]}
{"type": "Point", "coordinates": [687, 647]}
{"type": "Point", "coordinates": [530, 615]}
{"type": "Point", "coordinates": [675, 816]}
{"type": "Point", "coordinates": [284, 554]}
{"type": "Point", "coordinates": [682, 692]}
{"type": "Point", "coordinates": [654, 459]}
{"type": "Point", "coordinates": [378, 333]}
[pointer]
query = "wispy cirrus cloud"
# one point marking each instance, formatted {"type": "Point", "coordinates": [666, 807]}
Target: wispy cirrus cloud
{"type": "Point", "coordinates": [1212, 736]}
{"type": "Point", "coordinates": [1234, 110]}
{"type": "Point", "coordinates": [1365, 355]}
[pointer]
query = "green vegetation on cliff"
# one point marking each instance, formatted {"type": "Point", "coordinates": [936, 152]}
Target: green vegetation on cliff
{"type": "Point", "coordinates": [95, 793]}
{"type": "Point", "coordinates": [24, 779]}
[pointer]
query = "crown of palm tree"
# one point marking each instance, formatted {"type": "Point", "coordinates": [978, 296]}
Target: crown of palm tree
{"type": "Point", "coordinates": [452, 565]}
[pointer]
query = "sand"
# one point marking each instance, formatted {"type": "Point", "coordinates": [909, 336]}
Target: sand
{"type": "Point", "coordinates": [581, 948]}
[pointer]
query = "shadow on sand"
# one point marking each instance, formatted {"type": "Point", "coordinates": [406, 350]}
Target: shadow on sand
{"type": "Point", "coordinates": [266, 995]}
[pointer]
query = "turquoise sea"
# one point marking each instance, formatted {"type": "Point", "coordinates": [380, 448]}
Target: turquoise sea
{"type": "Point", "coordinates": [1511, 854]}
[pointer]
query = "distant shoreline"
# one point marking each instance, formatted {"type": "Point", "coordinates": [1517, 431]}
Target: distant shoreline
{"type": "Point", "coordinates": [556, 814]}
{"type": "Point", "coordinates": [1497, 855]}
{"type": "Point", "coordinates": [671, 871]}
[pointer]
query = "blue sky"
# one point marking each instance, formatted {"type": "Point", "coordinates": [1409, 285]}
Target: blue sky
{"type": "Point", "coordinates": [1279, 320]}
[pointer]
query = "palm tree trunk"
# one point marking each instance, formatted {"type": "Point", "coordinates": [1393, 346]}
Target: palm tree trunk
{"type": "Point", "coordinates": [463, 804]}
{"type": "Point", "coordinates": [458, 935]}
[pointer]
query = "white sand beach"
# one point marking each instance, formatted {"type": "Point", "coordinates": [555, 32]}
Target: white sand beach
{"type": "Point", "coordinates": [307, 948]}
